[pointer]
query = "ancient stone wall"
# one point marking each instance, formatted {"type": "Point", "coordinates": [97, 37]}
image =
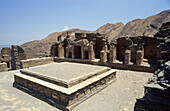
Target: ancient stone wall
{"type": "Point", "coordinates": [157, 90]}
{"type": "Point", "coordinates": [35, 62]}
{"type": "Point", "coordinates": [121, 48]}
{"type": "Point", "coordinates": [3, 67]}
{"type": "Point", "coordinates": [17, 54]}
{"type": "Point", "coordinates": [150, 48]}
{"type": "Point", "coordinates": [54, 50]}
{"type": "Point", "coordinates": [92, 46]}
{"type": "Point", "coordinates": [6, 56]}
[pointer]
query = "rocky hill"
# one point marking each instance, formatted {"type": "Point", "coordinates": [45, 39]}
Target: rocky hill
{"type": "Point", "coordinates": [44, 45]}
{"type": "Point", "coordinates": [147, 27]}
{"type": "Point", "coordinates": [111, 30]}
{"type": "Point", "coordinates": [138, 27]}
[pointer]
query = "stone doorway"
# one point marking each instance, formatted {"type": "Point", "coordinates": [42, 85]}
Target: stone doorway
{"type": "Point", "coordinates": [69, 55]}
{"type": "Point", "coordinates": [86, 55]}
{"type": "Point", "coordinates": [77, 52]}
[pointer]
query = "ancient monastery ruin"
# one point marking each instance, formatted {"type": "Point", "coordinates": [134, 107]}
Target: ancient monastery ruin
{"type": "Point", "coordinates": [81, 64]}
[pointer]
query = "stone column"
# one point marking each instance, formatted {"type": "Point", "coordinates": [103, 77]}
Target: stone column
{"type": "Point", "coordinates": [82, 52]}
{"type": "Point", "coordinates": [17, 54]}
{"type": "Point", "coordinates": [112, 57]}
{"type": "Point", "coordinates": [60, 51]}
{"type": "Point", "coordinates": [91, 53]}
{"type": "Point", "coordinates": [139, 57]}
{"type": "Point", "coordinates": [53, 50]}
{"type": "Point", "coordinates": [67, 52]}
{"type": "Point", "coordinates": [72, 52]}
{"type": "Point", "coordinates": [127, 57]}
{"type": "Point", "coordinates": [103, 56]}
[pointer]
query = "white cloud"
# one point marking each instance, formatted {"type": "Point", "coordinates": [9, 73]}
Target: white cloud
{"type": "Point", "coordinates": [65, 28]}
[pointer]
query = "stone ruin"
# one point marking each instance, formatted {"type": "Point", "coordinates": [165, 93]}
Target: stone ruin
{"type": "Point", "coordinates": [17, 55]}
{"type": "Point", "coordinates": [157, 90]}
{"type": "Point", "coordinates": [91, 51]}
{"type": "Point", "coordinates": [134, 53]}
{"type": "Point", "coordinates": [80, 46]}
{"type": "Point", "coordinates": [5, 59]}
{"type": "Point", "coordinates": [10, 58]}
{"type": "Point", "coordinates": [63, 88]}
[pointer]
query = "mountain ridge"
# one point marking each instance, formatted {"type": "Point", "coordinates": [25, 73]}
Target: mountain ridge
{"type": "Point", "coordinates": [137, 27]}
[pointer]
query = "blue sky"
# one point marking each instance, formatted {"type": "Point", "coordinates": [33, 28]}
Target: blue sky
{"type": "Point", "coordinates": [25, 20]}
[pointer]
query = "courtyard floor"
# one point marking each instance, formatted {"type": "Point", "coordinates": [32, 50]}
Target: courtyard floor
{"type": "Point", "coordinates": [119, 96]}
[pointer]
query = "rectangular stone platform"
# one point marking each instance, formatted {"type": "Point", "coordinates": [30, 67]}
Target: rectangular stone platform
{"type": "Point", "coordinates": [64, 85]}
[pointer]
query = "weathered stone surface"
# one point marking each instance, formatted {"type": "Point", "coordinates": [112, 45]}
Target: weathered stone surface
{"type": "Point", "coordinates": [139, 57]}
{"type": "Point", "coordinates": [17, 54]}
{"type": "Point", "coordinates": [3, 67]}
{"type": "Point", "coordinates": [157, 90]}
{"type": "Point", "coordinates": [127, 57]}
{"type": "Point", "coordinates": [5, 56]}
{"type": "Point", "coordinates": [126, 84]}
{"type": "Point", "coordinates": [62, 97]}
{"type": "Point", "coordinates": [35, 62]}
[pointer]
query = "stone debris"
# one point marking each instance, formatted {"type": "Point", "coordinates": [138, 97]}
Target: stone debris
{"type": "Point", "coordinates": [157, 90]}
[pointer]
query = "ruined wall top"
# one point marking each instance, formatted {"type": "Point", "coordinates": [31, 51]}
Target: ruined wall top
{"type": "Point", "coordinates": [6, 51]}
{"type": "Point", "coordinates": [164, 31]}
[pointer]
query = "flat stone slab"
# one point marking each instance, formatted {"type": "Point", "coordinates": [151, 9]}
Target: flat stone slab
{"type": "Point", "coordinates": [64, 85]}
{"type": "Point", "coordinates": [114, 97]}
{"type": "Point", "coordinates": [65, 74]}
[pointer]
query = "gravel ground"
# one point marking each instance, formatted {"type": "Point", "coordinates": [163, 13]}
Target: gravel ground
{"type": "Point", "coordinates": [119, 96]}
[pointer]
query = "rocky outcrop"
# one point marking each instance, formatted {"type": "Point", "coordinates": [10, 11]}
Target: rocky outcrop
{"type": "Point", "coordinates": [111, 30]}
{"type": "Point", "coordinates": [145, 27]}
{"type": "Point", "coordinates": [157, 90]}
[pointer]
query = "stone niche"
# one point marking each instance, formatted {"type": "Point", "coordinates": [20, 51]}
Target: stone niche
{"type": "Point", "coordinates": [79, 45]}
{"type": "Point", "coordinates": [63, 88]}
{"type": "Point", "coordinates": [148, 46]}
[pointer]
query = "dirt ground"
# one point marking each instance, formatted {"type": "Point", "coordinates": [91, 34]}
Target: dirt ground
{"type": "Point", "coordinates": [119, 96]}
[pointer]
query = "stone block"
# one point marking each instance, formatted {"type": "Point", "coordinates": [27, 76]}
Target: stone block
{"type": "Point", "coordinates": [64, 98]}
{"type": "Point", "coordinates": [3, 67]}
{"type": "Point", "coordinates": [55, 95]}
{"type": "Point", "coordinates": [139, 57]}
{"type": "Point", "coordinates": [30, 85]}
{"type": "Point", "coordinates": [127, 57]}
{"type": "Point", "coordinates": [48, 92]}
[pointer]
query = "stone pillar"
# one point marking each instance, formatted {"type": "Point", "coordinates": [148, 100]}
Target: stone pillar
{"type": "Point", "coordinates": [91, 53]}
{"type": "Point", "coordinates": [3, 67]}
{"type": "Point", "coordinates": [60, 51]}
{"type": "Point", "coordinates": [72, 52]}
{"type": "Point", "coordinates": [127, 57]}
{"type": "Point", "coordinates": [17, 54]}
{"type": "Point", "coordinates": [139, 57]}
{"type": "Point", "coordinates": [103, 56]}
{"type": "Point", "coordinates": [53, 50]}
{"type": "Point", "coordinates": [67, 52]}
{"type": "Point", "coordinates": [112, 57]}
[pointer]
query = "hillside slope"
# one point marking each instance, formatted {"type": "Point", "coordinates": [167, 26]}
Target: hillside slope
{"type": "Point", "coordinates": [147, 27]}
{"type": "Point", "coordinates": [138, 27]}
{"type": "Point", "coordinates": [44, 45]}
